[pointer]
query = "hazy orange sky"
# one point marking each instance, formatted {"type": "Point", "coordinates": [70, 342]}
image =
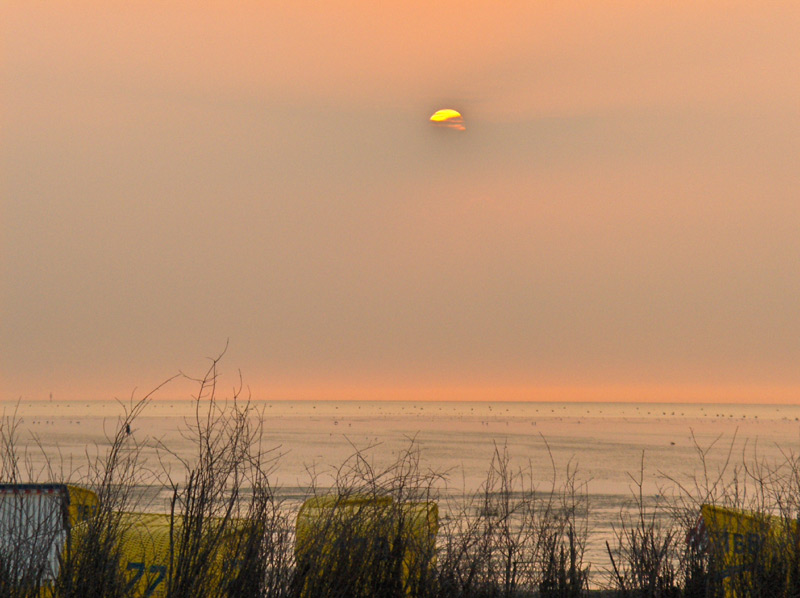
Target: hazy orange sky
{"type": "Point", "coordinates": [620, 220]}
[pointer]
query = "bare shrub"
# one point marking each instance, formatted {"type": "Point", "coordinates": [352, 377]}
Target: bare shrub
{"type": "Point", "coordinates": [93, 558]}
{"type": "Point", "coordinates": [648, 547]}
{"type": "Point", "coordinates": [372, 534]}
{"type": "Point", "coordinates": [512, 540]}
{"type": "Point", "coordinates": [26, 535]}
{"type": "Point", "coordinates": [228, 536]}
{"type": "Point", "coordinates": [758, 554]}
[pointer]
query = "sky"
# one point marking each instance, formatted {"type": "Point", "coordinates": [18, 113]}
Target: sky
{"type": "Point", "coordinates": [619, 220]}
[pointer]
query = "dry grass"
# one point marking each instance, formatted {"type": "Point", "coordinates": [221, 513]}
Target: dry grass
{"type": "Point", "coordinates": [514, 537]}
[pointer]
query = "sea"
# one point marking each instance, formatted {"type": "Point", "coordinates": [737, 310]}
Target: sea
{"type": "Point", "coordinates": [616, 454]}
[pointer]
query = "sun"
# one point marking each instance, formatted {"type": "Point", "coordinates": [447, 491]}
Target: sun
{"type": "Point", "coordinates": [448, 118]}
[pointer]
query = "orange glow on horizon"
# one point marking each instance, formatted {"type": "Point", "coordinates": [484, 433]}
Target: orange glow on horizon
{"type": "Point", "coordinates": [570, 394]}
{"type": "Point", "coordinates": [554, 393]}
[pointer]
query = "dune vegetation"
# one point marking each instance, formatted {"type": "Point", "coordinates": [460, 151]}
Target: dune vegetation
{"type": "Point", "coordinates": [389, 531]}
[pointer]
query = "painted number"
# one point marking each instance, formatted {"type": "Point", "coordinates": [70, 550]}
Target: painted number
{"type": "Point", "coordinates": [139, 568]}
{"type": "Point", "coordinates": [160, 570]}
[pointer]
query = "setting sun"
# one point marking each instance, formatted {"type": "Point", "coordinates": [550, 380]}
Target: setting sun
{"type": "Point", "coordinates": [449, 118]}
